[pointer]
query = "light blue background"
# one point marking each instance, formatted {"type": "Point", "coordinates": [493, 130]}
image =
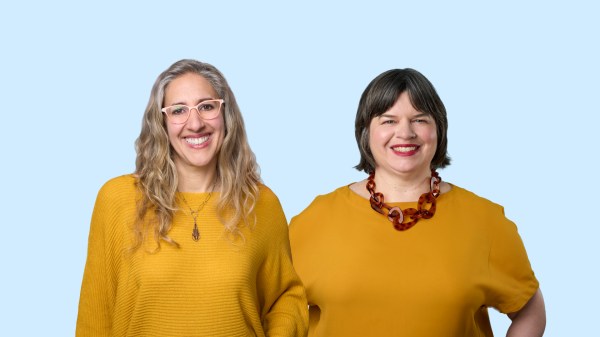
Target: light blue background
{"type": "Point", "coordinates": [519, 80]}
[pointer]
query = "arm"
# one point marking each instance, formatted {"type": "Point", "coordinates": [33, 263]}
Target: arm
{"type": "Point", "coordinates": [94, 315]}
{"type": "Point", "coordinates": [514, 289]}
{"type": "Point", "coordinates": [284, 310]}
{"type": "Point", "coordinates": [530, 321]}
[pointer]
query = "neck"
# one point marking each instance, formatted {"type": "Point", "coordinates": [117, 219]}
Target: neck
{"type": "Point", "coordinates": [402, 188]}
{"type": "Point", "coordinates": [196, 182]}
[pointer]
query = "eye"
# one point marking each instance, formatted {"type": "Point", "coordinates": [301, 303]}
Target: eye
{"type": "Point", "coordinates": [422, 120]}
{"type": "Point", "coordinates": [176, 110]}
{"type": "Point", "coordinates": [388, 121]}
{"type": "Point", "coordinates": [207, 106]}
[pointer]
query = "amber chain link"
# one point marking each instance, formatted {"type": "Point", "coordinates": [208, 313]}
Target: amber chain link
{"type": "Point", "coordinates": [397, 215]}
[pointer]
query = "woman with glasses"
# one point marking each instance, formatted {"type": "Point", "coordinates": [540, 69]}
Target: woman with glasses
{"type": "Point", "coordinates": [191, 244]}
{"type": "Point", "coordinates": [403, 253]}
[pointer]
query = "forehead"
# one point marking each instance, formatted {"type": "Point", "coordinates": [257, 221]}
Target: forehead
{"type": "Point", "coordinates": [189, 87]}
{"type": "Point", "coordinates": [403, 105]}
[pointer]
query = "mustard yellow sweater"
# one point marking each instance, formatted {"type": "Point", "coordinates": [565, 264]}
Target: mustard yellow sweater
{"type": "Point", "coordinates": [212, 287]}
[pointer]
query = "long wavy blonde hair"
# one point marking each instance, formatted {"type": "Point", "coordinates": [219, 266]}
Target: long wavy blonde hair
{"type": "Point", "coordinates": [237, 171]}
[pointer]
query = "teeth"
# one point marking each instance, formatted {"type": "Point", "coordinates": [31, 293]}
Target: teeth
{"type": "Point", "coordinates": [404, 149]}
{"type": "Point", "coordinates": [196, 141]}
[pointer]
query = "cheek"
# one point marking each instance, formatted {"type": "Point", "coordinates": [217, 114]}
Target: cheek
{"type": "Point", "coordinates": [173, 131]}
{"type": "Point", "coordinates": [428, 134]}
{"type": "Point", "coordinates": [218, 127]}
{"type": "Point", "coordinates": [218, 124]}
{"type": "Point", "coordinates": [379, 137]}
{"type": "Point", "coordinates": [432, 136]}
{"type": "Point", "coordinates": [372, 141]}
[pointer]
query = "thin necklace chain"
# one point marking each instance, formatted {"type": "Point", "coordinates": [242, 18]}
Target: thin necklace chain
{"type": "Point", "coordinates": [194, 214]}
{"type": "Point", "coordinates": [396, 215]}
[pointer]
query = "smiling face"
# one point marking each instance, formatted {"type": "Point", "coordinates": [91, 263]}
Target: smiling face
{"type": "Point", "coordinates": [403, 140]}
{"type": "Point", "coordinates": [196, 142]}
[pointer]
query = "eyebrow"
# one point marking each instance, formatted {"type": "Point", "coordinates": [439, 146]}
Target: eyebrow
{"type": "Point", "coordinates": [424, 114]}
{"type": "Point", "coordinates": [199, 101]}
{"type": "Point", "coordinates": [419, 115]}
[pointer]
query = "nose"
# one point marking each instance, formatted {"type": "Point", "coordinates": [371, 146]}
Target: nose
{"type": "Point", "coordinates": [404, 130]}
{"type": "Point", "coordinates": [194, 122]}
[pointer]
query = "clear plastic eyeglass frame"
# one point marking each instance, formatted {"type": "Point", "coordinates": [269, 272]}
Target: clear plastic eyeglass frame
{"type": "Point", "coordinates": [204, 114]}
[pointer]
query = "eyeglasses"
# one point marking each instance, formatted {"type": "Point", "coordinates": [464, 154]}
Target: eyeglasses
{"type": "Point", "coordinates": [179, 113]}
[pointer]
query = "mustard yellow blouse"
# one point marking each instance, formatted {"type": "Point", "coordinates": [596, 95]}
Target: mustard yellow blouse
{"type": "Point", "coordinates": [363, 278]}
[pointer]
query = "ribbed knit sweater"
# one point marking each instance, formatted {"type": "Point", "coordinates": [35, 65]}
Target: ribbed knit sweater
{"type": "Point", "coordinates": [212, 287]}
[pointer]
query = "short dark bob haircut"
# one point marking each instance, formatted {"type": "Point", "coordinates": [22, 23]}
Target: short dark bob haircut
{"type": "Point", "coordinates": [381, 94]}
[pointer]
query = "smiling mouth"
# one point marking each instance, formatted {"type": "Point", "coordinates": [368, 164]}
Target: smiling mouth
{"type": "Point", "coordinates": [197, 140]}
{"type": "Point", "coordinates": [404, 149]}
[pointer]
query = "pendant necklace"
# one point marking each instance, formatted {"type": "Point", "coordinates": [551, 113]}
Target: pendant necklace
{"type": "Point", "coordinates": [195, 213]}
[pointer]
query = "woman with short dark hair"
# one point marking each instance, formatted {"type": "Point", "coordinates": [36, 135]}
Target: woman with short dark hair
{"type": "Point", "coordinates": [403, 253]}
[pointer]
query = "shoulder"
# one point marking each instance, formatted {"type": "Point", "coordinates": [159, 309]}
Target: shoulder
{"type": "Point", "coordinates": [119, 189]}
{"type": "Point", "coordinates": [115, 205]}
{"type": "Point", "coordinates": [267, 201]}
{"type": "Point", "coordinates": [480, 211]}
{"type": "Point", "coordinates": [471, 199]}
{"type": "Point", "coordinates": [270, 218]}
{"type": "Point", "coordinates": [326, 200]}
{"type": "Point", "coordinates": [123, 182]}
{"type": "Point", "coordinates": [266, 195]}
{"type": "Point", "coordinates": [323, 204]}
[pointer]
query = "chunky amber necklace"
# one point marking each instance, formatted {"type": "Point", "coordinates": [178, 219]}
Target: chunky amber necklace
{"type": "Point", "coordinates": [397, 215]}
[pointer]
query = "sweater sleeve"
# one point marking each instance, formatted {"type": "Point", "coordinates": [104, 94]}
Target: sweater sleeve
{"type": "Point", "coordinates": [281, 293]}
{"type": "Point", "coordinates": [97, 292]}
